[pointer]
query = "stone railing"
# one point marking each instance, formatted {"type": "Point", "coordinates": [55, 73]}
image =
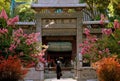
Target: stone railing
{"type": "Point", "coordinates": [25, 23]}
{"type": "Point", "coordinates": [87, 74]}
{"type": "Point", "coordinates": [34, 75]}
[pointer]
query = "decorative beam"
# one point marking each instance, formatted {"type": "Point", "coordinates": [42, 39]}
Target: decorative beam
{"type": "Point", "coordinates": [49, 6]}
{"type": "Point", "coordinates": [94, 22]}
{"type": "Point", "coordinates": [25, 23]}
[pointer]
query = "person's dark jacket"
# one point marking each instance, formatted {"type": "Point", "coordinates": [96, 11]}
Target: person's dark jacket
{"type": "Point", "coordinates": [58, 69]}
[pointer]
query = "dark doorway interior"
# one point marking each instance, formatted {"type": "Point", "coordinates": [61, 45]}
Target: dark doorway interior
{"type": "Point", "coordinates": [63, 57]}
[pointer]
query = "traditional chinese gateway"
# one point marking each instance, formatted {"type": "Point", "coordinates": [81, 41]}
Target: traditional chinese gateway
{"type": "Point", "coordinates": [61, 24]}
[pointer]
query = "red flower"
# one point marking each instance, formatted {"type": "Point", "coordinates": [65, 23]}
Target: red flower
{"type": "Point", "coordinates": [11, 68]}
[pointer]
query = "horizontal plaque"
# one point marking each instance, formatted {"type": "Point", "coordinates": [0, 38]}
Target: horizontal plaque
{"type": "Point", "coordinates": [58, 31]}
{"type": "Point", "coordinates": [60, 46]}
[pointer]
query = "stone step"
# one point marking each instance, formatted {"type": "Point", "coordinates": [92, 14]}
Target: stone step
{"type": "Point", "coordinates": [62, 79]}
{"type": "Point", "coordinates": [65, 74]}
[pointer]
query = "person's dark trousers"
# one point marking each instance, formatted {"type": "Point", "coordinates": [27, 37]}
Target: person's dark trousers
{"type": "Point", "coordinates": [58, 76]}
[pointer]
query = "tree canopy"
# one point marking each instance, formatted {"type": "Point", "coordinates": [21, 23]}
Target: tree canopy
{"type": "Point", "coordinates": [106, 7]}
{"type": "Point", "coordinates": [5, 4]}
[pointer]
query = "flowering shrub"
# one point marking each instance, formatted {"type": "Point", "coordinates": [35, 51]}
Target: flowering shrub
{"type": "Point", "coordinates": [108, 69]}
{"type": "Point", "coordinates": [111, 39]}
{"type": "Point", "coordinates": [97, 48]}
{"type": "Point", "coordinates": [11, 69]}
{"type": "Point", "coordinates": [25, 46]}
{"type": "Point", "coordinates": [6, 26]}
{"type": "Point", "coordinates": [101, 52]}
{"type": "Point", "coordinates": [93, 48]}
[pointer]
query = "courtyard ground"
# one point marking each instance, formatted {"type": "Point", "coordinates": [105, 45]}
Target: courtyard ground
{"type": "Point", "coordinates": [62, 79]}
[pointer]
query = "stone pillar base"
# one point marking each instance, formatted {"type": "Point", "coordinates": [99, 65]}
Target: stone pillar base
{"type": "Point", "coordinates": [34, 75]}
{"type": "Point", "coordinates": [87, 74]}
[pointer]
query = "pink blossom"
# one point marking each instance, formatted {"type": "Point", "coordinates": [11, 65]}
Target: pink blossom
{"type": "Point", "coordinates": [81, 45]}
{"type": "Point", "coordinates": [101, 22]}
{"type": "Point", "coordinates": [119, 42]}
{"type": "Point", "coordinates": [41, 59]}
{"type": "Point", "coordinates": [102, 16]}
{"type": "Point", "coordinates": [87, 31]}
{"type": "Point", "coordinates": [100, 52]}
{"type": "Point", "coordinates": [106, 31]}
{"type": "Point", "coordinates": [12, 21]}
{"type": "Point", "coordinates": [41, 54]}
{"type": "Point", "coordinates": [15, 38]}
{"type": "Point", "coordinates": [34, 55]}
{"type": "Point", "coordinates": [32, 38]}
{"type": "Point", "coordinates": [3, 14]}
{"type": "Point", "coordinates": [86, 42]}
{"type": "Point", "coordinates": [18, 41]}
{"type": "Point", "coordinates": [25, 35]}
{"type": "Point", "coordinates": [16, 19]}
{"type": "Point", "coordinates": [94, 39]}
{"type": "Point", "coordinates": [18, 33]}
{"type": "Point", "coordinates": [6, 30]}
{"type": "Point", "coordinates": [9, 21]}
{"type": "Point", "coordinates": [12, 47]}
{"type": "Point", "coordinates": [83, 51]}
{"type": "Point", "coordinates": [107, 50]}
{"type": "Point", "coordinates": [0, 30]}
{"type": "Point", "coordinates": [28, 42]}
{"type": "Point", "coordinates": [3, 31]}
{"type": "Point", "coordinates": [116, 24]}
{"type": "Point", "coordinates": [37, 34]}
{"type": "Point", "coordinates": [102, 19]}
{"type": "Point", "coordinates": [20, 30]}
{"type": "Point", "coordinates": [21, 53]}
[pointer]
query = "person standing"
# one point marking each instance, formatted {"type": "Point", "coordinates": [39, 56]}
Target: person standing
{"type": "Point", "coordinates": [58, 70]}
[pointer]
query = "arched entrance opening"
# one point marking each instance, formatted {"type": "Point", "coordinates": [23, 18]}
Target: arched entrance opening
{"type": "Point", "coordinates": [62, 48]}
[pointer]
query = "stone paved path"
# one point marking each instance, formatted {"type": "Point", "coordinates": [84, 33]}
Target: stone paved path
{"type": "Point", "coordinates": [62, 79]}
